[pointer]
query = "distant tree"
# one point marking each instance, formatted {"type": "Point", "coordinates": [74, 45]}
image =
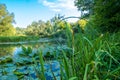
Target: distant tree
{"type": "Point", "coordinates": [20, 31]}
{"type": "Point", "coordinates": [49, 27]}
{"type": "Point", "coordinates": [57, 23]}
{"type": "Point", "coordinates": [37, 28]}
{"type": "Point", "coordinates": [42, 29]}
{"type": "Point", "coordinates": [6, 20]}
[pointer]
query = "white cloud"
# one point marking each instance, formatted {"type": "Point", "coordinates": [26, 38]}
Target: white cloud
{"type": "Point", "coordinates": [56, 10]}
{"type": "Point", "coordinates": [68, 4]}
{"type": "Point", "coordinates": [63, 7]}
{"type": "Point", "coordinates": [59, 4]}
{"type": "Point", "coordinates": [49, 4]}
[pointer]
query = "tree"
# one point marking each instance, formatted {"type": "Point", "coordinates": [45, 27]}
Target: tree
{"type": "Point", "coordinates": [105, 13]}
{"type": "Point", "coordinates": [20, 31]}
{"type": "Point", "coordinates": [6, 20]}
{"type": "Point", "coordinates": [49, 27]}
{"type": "Point", "coordinates": [57, 23]}
{"type": "Point", "coordinates": [85, 6]}
{"type": "Point", "coordinates": [37, 28]}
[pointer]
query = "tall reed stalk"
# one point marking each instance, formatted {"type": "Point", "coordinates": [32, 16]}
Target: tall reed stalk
{"type": "Point", "coordinates": [94, 58]}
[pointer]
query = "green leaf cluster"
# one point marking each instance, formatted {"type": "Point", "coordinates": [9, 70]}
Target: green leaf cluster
{"type": "Point", "coordinates": [6, 20]}
{"type": "Point", "coordinates": [103, 14]}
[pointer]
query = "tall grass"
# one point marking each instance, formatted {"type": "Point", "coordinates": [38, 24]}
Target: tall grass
{"type": "Point", "coordinates": [95, 57]}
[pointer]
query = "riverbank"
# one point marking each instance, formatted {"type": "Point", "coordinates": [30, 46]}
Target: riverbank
{"type": "Point", "coordinates": [4, 39]}
{"type": "Point", "coordinates": [41, 40]}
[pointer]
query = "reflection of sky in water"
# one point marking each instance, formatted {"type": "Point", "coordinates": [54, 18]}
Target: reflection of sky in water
{"type": "Point", "coordinates": [29, 71]}
{"type": "Point", "coordinates": [14, 49]}
{"type": "Point", "coordinates": [50, 66]}
{"type": "Point", "coordinates": [17, 50]}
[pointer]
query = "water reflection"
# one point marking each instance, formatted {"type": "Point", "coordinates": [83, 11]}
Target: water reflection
{"type": "Point", "coordinates": [11, 49]}
{"type": "Point", "coordinates": [6, 51]}
{"type": "Point", "coordinates": [26, 65]}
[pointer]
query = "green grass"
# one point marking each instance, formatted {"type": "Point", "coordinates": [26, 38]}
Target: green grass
{"type": "Point", "coordinates": [17, 38]}
{"type": "Point", "coordinates": [95, 56]}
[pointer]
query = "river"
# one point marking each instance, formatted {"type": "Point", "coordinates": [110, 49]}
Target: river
{"type": "Point", "coordinates": [13, 66]}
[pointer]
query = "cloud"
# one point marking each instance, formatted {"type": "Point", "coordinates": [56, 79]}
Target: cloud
{"type": "Point", "coordinates": [63, 7]}
{"type": "Point", "coordinates": [56, 10]}
{"type": "Point", "coordinates": [58, 5]}
{"type": "Point", "coordinates": [49, 4]}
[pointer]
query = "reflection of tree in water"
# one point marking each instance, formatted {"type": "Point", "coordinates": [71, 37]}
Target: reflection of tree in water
{"type": "Point", "coordinates": [6, 51]}
{"type": "Point", "coordinates": [39, 45]}
{"type": "Point", "coordinates": [9, 49]}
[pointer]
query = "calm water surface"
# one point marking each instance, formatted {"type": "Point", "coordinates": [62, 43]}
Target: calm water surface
{"type": "Point", "coordinates": [13, 50]}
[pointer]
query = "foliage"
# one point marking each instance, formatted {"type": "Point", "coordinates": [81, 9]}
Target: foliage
{"type": "Point", "coordinates": [85, 6]}
{"type": "Point", "coordinates": [6, 19]}
{"type": "Point", "coordinates": [82, 23]}
{"type": "Point", "coordinates": [5, 50]}
{"type": "Point", "coordinates": [93, 57]}
{"type": "Point", "coordinates": [17, 38]}
{"type": "Point", "coordinates": [90, 55]}
{"type": "Point", "coordinates": [45, 29]}
{"type": "Point", "coordinates": [105, 13]}
{"type": "Point", "coordinates": [37, 28]}
{"type": "Point", "coordinates": [6, 59]}
{"type": "Point", "coordinates": [20, 31]}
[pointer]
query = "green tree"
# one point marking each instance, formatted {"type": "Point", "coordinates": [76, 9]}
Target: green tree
{"type": "Point", "coordinates": [6, 20]}
{"type": "Point", "coordinates": [20, 31]}
{"type": "Point", "coordinates": [42, 29]}
{"type": "Point", "coordinates": [57, 23]}
{"type": "Point", "coordinates": [105, 13]}
{"type": "Point", "coordinates": [37, 28]}
{"type": "Point", "coordinates": [85, 6]}
{"type": "Point", "coordinates": [49, 27]}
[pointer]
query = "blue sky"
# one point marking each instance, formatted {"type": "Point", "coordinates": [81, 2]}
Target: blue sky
{"type": "Point", "coordinates": [27, 11]}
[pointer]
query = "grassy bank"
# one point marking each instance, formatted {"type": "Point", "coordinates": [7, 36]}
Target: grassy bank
{"type": "Point", "coordinates": [17, 38]}
{"type": "Point", "coordinates": [95, 56]}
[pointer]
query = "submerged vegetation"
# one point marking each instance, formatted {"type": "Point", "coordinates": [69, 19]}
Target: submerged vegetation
{"type": "Point", "coordinates": [91, 50]}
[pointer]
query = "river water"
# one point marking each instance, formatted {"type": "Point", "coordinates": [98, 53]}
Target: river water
{"type": "Point", "coordinates": [10, 70]}
{"type": "Point", "coordinates": [11, 49]}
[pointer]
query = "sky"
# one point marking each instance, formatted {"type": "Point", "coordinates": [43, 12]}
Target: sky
{"type": "Point", "coordinates": [27, 11]}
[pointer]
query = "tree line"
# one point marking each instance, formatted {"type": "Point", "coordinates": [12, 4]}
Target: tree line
{"type": "Point", "coordinates": [54, 26]}
{"type": "Point", "coordinates": [103, 15]}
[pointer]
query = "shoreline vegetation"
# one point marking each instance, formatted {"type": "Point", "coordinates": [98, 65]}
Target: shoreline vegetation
{"type": "Point", "coordinates": [41, 40]}
{"type": "Point", "coordinates": [91, 55]}
{"type": "Point", "coordinates": [91, 50]}
{"type": "Point", "coordinates": [17, 38]}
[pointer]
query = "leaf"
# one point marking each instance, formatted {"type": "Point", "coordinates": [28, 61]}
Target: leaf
{"type": "Point", "coordinates": [73, 78]}
{"type": "Point", "coordinates": [24, 49]}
